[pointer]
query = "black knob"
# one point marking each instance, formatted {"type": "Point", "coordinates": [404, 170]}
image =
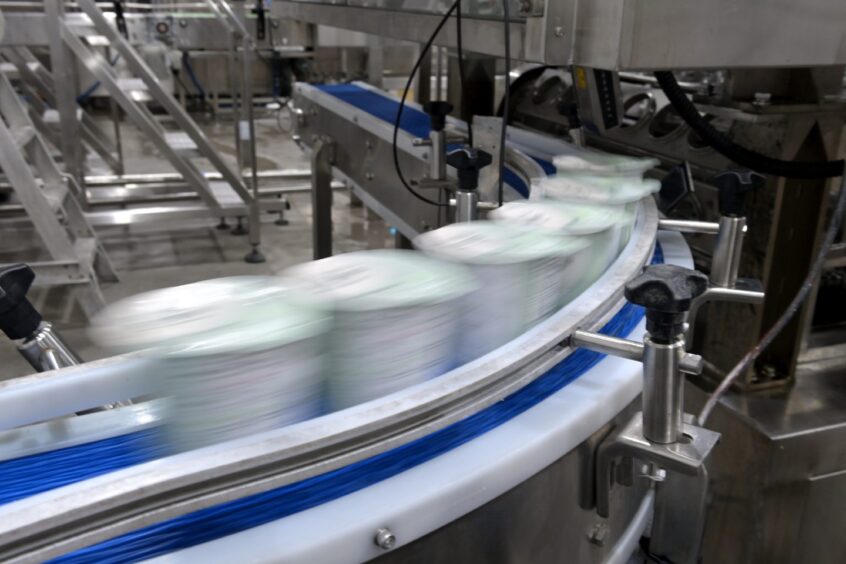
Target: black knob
{"type": "Point", "coordinates": [733, 186]}
{"type": "Point", "coordinates": [468, 162]}
{"type": "Point", "coordinates": [18, 319]}
{"type": "Point", "coordinates": [438, 112]}
{"type": "Point", "coordinates": [667, 292]}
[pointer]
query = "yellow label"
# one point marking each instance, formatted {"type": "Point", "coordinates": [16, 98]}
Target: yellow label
{"type": "Point", "coordinates": [581, 78]}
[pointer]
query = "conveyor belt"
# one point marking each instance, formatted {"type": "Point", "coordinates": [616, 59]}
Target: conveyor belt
{"type": "Point", "coordinates": [414, 121]}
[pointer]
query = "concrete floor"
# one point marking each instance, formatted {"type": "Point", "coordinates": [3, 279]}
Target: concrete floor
{"type": "Point", "coordinates": [157, 256]}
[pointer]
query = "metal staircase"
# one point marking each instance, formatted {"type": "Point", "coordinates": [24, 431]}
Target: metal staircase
{"type": "Point", "coordinates": [36, 83]}
{"type": "Point", "coordinates": [49, 198]}
{"type": "Point", "coordinates": [178, 147]}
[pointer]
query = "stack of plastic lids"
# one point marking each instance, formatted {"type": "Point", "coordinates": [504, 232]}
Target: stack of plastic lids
{"type": "Point", "coordinates": [523, 275]}
{"type": "Point", "coordinates": [395, 319]}
{"type": "Point", "coordinates": [599, 179]}
{"type": "Point", "coordinates": [235, 356]}
{"type": "Point", "coordinates": [602, 228]}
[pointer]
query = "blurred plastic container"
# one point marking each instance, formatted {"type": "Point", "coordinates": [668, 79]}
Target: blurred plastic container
{"type": "Point", "coordinates": [600, 226]}
{"type": "Point", "coordinates": [620, 193]}
{"type": "Point", "coordinates": [235, 356]}
{"type": "Point", "coordinates": [523, 275]}
{"type": "Point", "coordinates": [601, 164]}
{"type": "Point", "coordinates": [395, 319]}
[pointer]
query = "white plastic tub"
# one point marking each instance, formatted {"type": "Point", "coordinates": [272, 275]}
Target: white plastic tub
{"type": "Point", "coordinates": [600, 226]}
{"type": "Point", "coordinates": [523, 277]}
{"type": "Point", "coordinates": [234, 356]}
{"type": "Point", "coordinates": [395, 319]}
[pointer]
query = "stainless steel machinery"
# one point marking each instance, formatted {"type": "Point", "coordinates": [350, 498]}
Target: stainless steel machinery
{"type": "Point", "coordinates": [459, 469]}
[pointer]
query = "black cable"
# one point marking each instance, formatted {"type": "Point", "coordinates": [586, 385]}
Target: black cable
{"type": "Point", "coordinates": [729, 149]}
{"type": "Point", "coordinates": [459, 43]}
{"type": "Point", "coordinates": [405, 92]}
{"type": "Point", "coordinates": [506, 16]}
{"type": "Point", "coordinates": [789, 313]}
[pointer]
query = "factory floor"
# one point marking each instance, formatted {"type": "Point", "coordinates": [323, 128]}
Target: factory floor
{"type": "Point", "coordinates": [162, 255]}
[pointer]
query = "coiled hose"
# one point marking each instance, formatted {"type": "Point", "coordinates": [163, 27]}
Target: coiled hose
{"type": "Point", "coordinates": [729, 149]}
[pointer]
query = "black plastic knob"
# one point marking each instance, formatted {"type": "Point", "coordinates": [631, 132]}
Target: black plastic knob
{"type": "Point", "coordinates": [468, 162]}
{"type": "Point", "coordinates": [666, 292]}
{"type": "Point", "coordinates": [734, 186]}
{"type": "Point", "coordinates": [18, 318]}
{"type": "Point", "coordinates": [438, 112]}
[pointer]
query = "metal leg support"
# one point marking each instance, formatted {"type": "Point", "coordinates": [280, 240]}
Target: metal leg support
{"type": "Point", "coordinates": [321, 197]}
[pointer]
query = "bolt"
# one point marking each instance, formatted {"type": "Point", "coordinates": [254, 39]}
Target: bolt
{"type": "Point", "coordinates": [368, 144]}
{"type": "Point", "coordinates": [183, 23]}
{"type": "Point", "coordinates": [762, 99]}
{"type": "Point", "coordinates": [369, 176]}
{"type": "Point", "coordinates": [559, 31]}
{"type": "Point", "coordinates": [599, 534]}
{"type": "Point", "coordinates": [385, 539]}
{"type": "Point", "coordinates": [525, 6]}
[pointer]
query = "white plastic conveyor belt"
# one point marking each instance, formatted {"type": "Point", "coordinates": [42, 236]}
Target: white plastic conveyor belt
{"type": "Point", "coordinates": [431, 495]}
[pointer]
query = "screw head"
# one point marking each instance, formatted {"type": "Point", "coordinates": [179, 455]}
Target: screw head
{"type": "Point", "coordinates": [385, 539]}
{"type": "Point", "coordinates": [559, 31]}
{"type": "Point", "coordinates": [599, 534]}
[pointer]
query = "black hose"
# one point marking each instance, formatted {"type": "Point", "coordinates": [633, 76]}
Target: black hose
{"type": "Point", "coordinates": [423, 53]}
{"type": "Point", "coordinates": [729, 149]}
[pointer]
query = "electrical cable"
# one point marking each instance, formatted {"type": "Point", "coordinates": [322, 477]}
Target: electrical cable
{"type": "Point", "coordinates": [789, 313]}
{"type": "Point", "coordinates": [189, 68]}
{"type": "Point", "coordinates": [405, 92]}
{"type": "Point", "coordinates": [83, 97]}
{"type": "Point", "coordinates": [506, 101]}
{"type": "Point", "coordinates": [462, 77]}
{"type": "Point", "coordinates": [729, 149]}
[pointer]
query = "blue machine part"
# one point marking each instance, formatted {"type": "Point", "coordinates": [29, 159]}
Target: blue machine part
{"type": "Point", "coordinates": [230, 518]}
{"type": "Point", "coordinates": [30, 475]}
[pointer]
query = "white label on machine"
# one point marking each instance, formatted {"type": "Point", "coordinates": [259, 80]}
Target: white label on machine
{"type": "Point", "coordinates": [244, 129]}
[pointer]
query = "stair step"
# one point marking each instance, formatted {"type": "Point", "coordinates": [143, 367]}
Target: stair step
{"type": "Point", "coordinates": [86, 250]}
{"type": "Point", "coordinates": [51, 117]}
{"type": "Point", "coordinates": [96, 40]}
{"type": "Point", "coordinates": [136, 88]}
{"type": "Point", "coordinates": [23, 135]}
{"type": "Point", "coordinates": [181, 142]}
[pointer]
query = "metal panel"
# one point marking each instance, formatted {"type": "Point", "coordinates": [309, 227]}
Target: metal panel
{"type": "Point", "coordinates": [619, 35]}
{"type": "Point", "coordinates": [538, 521]}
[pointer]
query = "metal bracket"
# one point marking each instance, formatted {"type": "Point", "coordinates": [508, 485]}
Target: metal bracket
{"type": "Point", "coordinates": [745, 291]}
{"type": "Point", "coordinates": [615, 460]}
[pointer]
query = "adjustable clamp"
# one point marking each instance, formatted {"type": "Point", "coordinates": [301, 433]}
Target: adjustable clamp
{"type": "Point", "coordinates": [660, 435]}
{"type": "Point", "coordinates": [38, 342]}
{"type": "Point", "coordinates": [734, 187]}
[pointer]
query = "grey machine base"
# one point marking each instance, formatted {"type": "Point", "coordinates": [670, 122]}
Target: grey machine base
{"type": "Point", "coordinates": [541, 520]}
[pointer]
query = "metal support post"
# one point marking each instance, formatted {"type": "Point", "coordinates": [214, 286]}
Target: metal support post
{"type": "Point", "coordinates": [321, 197]}
{"type": "Point", "coordinates": [62, 65]}
{"type": "Point", "coordinates": [248, 127]}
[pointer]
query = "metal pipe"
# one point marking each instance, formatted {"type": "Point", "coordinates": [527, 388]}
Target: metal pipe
{"type": "Point", "coordinates": [604, 344]}
{"type": "Point", "coordinates": [727, 251]}
{"type": "Point", "coordinates": [688, 226]}
{"type": "Point", "coordinates": [466, 205]}
{"type": "Point", "coordinates": [438, 165]}
{"type": "Point", "coordinates": [663, 402]}
{"type": "Point", "coordinates": [46, 350]}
